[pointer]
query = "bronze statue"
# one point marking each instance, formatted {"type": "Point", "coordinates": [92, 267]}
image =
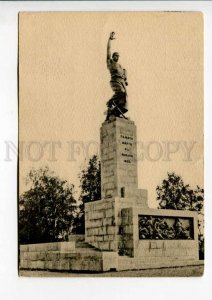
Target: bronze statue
{"type": "Point", "coordinates": [117, 105]}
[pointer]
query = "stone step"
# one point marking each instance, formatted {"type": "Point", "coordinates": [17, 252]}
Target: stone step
{"type": "Point", "coordinates": [135, 264]}
{"type": "Point", "coordinates": [76, 237]}
{"type": "Point", "coordinates": [80, 243]}
{"type": "Point", "coordinates": [83, 245]}
{"type": "Point", "coordinates": [55, 246]}
{"type": "Point", "coordinates": [68, 262]}
{"type": "Point", "coordinates": [79, 240]}
{"type": "Point", "coordinates": [71, 245]}
{"type": "Point", "coordinates": [86, 249]}
{"type": "Point", "coordinates": [82, 259]}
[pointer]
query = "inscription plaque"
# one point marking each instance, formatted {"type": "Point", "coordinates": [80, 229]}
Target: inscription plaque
{"type": "Point", "coordinates": [127, 155]}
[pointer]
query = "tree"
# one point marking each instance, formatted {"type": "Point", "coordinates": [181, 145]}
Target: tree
{"type": "Point", "coordinates": [90, 181]}
{"type": "Point", "coordinates": [47, 209]}
{"type": "Point", "coordinates": [90, 184]}
{"type": "Point", "coordinates": [174, 194]}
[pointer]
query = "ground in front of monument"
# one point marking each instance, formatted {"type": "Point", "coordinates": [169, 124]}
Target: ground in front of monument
{"type": "Point", "coordinates": [164, 272]}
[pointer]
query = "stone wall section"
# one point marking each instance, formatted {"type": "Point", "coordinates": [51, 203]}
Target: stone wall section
{"type": "Point", "coordinates": [126, 245]}
{"type": "Point", "coordinates": [101, 224]}
{"type": "Point", "coordinates": [167, 250]}
{"type": "Point", "coordinates": [103, 220]}
{"type": "Point", "coordinates": [60, 256]}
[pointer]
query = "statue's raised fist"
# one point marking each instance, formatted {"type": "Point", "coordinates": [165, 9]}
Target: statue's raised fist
{"type": "Point", "coordinates": [112, 35]}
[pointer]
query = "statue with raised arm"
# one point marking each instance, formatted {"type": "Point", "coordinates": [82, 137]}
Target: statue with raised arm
{"type": "Point", "coordinates": [117, 105]}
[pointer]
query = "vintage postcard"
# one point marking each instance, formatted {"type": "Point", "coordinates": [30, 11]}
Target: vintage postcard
{"type": "Point", "coordinates": [111, 144]}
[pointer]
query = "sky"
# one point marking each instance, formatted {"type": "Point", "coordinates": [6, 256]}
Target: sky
{"type": "Point", "coordinates": [64, 87]}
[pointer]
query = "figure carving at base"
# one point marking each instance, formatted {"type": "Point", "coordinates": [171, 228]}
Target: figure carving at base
{"type": "Point", "coordinates": [157, 228]}
{"type": "Point", "coordinates": [181, 232]}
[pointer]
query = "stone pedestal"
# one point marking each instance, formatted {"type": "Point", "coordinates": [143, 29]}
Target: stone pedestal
{"type": "Point", "coordinates": [118, 158]}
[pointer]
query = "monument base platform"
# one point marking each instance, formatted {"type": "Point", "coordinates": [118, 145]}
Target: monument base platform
{"type": "Point", "coordinates": [75, 255]}
{"type": "Point", "coordinates": [78, 256]}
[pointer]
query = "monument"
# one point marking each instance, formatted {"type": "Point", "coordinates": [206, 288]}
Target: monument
{"type": "Point", "coordinates": [121, 231]}
{"type": "Point", "coordinates": [121, 223]}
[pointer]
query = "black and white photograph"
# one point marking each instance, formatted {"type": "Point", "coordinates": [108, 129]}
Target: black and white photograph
{"type": "Point", "coordinates": [110, 166]}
